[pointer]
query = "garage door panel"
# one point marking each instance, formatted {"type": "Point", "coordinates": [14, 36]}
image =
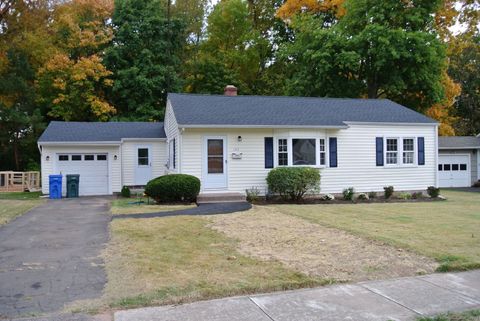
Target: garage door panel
{"type": "Point", "coordinates": [454, 170]}
{"type": "Point", "coordinates": [93, 173]}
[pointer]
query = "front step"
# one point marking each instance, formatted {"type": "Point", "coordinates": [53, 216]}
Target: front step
{"type": "Point", "coordinates": [220, 198]}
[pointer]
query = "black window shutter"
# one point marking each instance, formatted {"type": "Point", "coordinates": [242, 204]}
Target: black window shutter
{"type": "Point", "coordinates": [174, 153]}
{"type": "Point", "coordinates": [268, 152]}
{"type": "Point", "coordinates": [379, 150]}
{"type": "Point", "coordinates": [421, 151]}
{"type": "Point", "coordinates": [333, 151]}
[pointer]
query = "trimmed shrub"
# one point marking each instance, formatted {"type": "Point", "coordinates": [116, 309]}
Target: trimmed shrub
{"type": "Point", "coordinates": [348, 193]}
{"type": "Point", "coordinates": [388, 192]}
{"type": "Point", "coordinates": [293, 182]}
{"type": "Point", "coordinates": [372, 195]}
{"type": "Point", "coordinates": [433, 191]}
{"type": "Point", "coordinates": [125, 192]}
{"type": "Point", "coordinates": [405, 196]}
{"type": "Point", "coordinates": [363, 197]}
{"type": "Point", "coordinates": [173, 188]}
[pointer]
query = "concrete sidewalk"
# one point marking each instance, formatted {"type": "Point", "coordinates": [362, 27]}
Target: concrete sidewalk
{"type": "Point", "coordinates": [397, 299]}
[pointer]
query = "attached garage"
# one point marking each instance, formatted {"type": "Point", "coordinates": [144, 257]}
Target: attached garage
{"type": "Point", "coordinates": [458, 161]}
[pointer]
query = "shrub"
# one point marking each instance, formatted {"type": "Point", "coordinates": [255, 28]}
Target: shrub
{"type": "Point", "coordinates": [293, 182]}
{"type": "Point", "coordinates": [363, 197]}
{"type": "Point", "coordinates": [433, 191]}
{"type": "Point", "coordinates": [405, 196]}
{"type": "Point", "coordinates": [173, 188]}
{"type": "Point", "coordinates": [348, 193]}
{"type": "Point", "coordinates": [125, 192]}
{"type": "Point", "coordinates": [417, 195]}
{"type": "Point", "coordinates": [372, 195]}
{"type": "Point", "coordinates": [252, 194]}
{"type": "Point", "coordinates": [388, 192]}
{"type": "Point", "coordinates": [328, 197]}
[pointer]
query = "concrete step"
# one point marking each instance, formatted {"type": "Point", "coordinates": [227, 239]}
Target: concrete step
{"type": "Point", "coordinates": [220, 198]}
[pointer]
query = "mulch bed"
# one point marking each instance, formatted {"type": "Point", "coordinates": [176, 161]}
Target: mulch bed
{"type": "Point", "coordinates": [316, 201]}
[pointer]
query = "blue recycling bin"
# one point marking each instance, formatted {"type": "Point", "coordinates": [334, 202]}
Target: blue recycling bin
{"type": "Point", "coordinates": [55, 188]}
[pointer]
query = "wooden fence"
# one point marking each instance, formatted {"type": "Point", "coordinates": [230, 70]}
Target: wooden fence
{"type": "Point", "coordinates": [19, 181]}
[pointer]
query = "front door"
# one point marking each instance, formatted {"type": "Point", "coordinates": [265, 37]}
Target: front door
{"type": "Point", "coordinates": [143, 168]}
{"type": "Point", "coordinates": [215, 162]}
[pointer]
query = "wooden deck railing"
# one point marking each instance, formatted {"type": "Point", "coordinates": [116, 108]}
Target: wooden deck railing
{"type": "Point", "coordinates": [19, 181]}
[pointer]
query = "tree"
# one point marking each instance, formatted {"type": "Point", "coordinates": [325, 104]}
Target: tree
{"type": "Point", "coordinates": [144, 58]}
{"type": "Point", "coordinates": [378, 49]}
{"type": "Point", "coordinates": [293, 7]}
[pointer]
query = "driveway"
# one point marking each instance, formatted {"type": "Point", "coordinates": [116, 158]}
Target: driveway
{"type": "Point", "coordinates": [50, 256]}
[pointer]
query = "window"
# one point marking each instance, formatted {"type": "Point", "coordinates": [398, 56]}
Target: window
{"type": "Point", "coordinates": [463, 167]}
{"type": "Point", "coordinates": [142, 156]}
{"type": "Point", "coordinates": [63, 158]}
{"type": "Point", "coordinates": [408, 151]}
{"type": "Point", "coordinates": [303, 152]}
{"type": "Point", "coordinates": [215, 156]}
{"type": "Point", "coordinates": [392, 151]}
{"type": "Point", "coordinates": [454, 167]}
{"type": "Point", "coordinates": [440, 167]}
{"type": "Point", "coordinates": [89, 157]}
{"type": "Point", "coordinates": [282, 152]}
{"type": "Point", "coordinates": [446, 167]}
{"type": "Point", "coordinates": [76, 157]}
{"type": "Point", "coordinates": [101, 157]}
{"type": "Point", "coordinates": [322, 151]}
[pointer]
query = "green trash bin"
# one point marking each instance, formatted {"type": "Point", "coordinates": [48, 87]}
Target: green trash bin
{"type": "Point", "coordinates": [73, 182]}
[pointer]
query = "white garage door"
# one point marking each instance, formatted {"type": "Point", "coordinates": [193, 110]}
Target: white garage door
{"type": "Point", "coordinates": [92, 168]}
{"type": "Point", "coordinates": [454, 170]}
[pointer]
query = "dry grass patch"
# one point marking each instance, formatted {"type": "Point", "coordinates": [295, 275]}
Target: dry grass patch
{"type": "Point", "coordinates": [11, 208]}
{"type": "Point", "coordinates": [448, 231]}
{"type": "Point", "coordinates": [179, 259]}
{"type": "Point", "coordinates": [315, 250]}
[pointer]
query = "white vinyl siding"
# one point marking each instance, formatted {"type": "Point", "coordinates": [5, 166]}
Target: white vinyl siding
{"type": "Point", "coordinates": [130, 154]}
{"type": "Point", "coordinates": [50, 167]}
{"type": "Point", "coordinates": [173, 133]}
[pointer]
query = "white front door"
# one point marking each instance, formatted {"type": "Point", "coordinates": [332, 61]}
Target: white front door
{"type": "Point", "coordinates": [215, 162]}
{"type": "Point", "coordinates": [143, 168]}
{"type": "Point", "coordinates": [454, 170]}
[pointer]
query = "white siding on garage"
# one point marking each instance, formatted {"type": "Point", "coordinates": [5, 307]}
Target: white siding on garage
{"type": "Point", "coordinates": [356, 157]}
{"type": "Point", "coordinates": [49, 167]}
{"type": "Point", "coordinates": [172, 132]}
{"type": "Point", "coordinates": [129, 159]}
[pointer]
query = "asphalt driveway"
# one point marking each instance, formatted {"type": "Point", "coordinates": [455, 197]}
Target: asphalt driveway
{"type": "Point", "coordinates": [50, 256]}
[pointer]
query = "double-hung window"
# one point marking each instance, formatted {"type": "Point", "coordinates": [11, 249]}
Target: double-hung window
{"type": "Point", "coordinates": [408, 151]}
{"type": "Point", "coordinates": [282, 152]}
{"type": "Point", "coordinates": [323, 155]}
{"type": "Point", "coordinates": [303, 151]}
{"type": "Point", "coordinates": [392, 151]}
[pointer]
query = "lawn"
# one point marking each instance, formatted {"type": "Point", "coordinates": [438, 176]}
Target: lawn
{"type": "Point", "coordinates": [127, 206]}
{"type": "Point", "coordinates": [16, 204]}
{"type": "Point", "coordinates": [179, 259]}
{"type": "Point", "coordinates": [473, 315]}
{"type": "Point", "coordinates": [448, 231]}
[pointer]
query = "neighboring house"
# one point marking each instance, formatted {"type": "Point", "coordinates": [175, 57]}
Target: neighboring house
{"type": "Point", "coordinates": [231, 143]}
{"type": "Point", "coordinates": [458, 161]}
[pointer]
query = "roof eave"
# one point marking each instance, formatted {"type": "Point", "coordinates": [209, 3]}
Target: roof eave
{"type": "Point", "coordinates": [99, 143]}
{"type": "Point", "coordinates": [391, 123]}
{"type": "Point", "coordinates": [264, 126]}
{"type": "Point", "coordinates": [459, 147]}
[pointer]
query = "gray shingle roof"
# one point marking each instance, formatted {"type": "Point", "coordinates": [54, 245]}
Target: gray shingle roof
{"type": "Point", "coordinates": [216, 110]}
{"type": "Point", "coordinates": [58, 131]}
{"type": "Point", "coordinates": [459, 142]}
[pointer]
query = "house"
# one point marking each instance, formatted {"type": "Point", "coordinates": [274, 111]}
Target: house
{"type": "Point", "coordinates": [231, 143]}
{"type": "Point", "coordinates": [458, 161]}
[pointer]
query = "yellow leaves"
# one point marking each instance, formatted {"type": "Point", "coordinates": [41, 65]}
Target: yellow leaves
{"type": "Point", "coordinates": [443, 110]}
{"type": "Point", "coordinates": [101, 108]}
{"type": "Point", "coordinates": [293, 7]}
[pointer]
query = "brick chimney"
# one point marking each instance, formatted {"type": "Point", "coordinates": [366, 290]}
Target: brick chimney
{"type": "Point", "coordinates": [230, 90]}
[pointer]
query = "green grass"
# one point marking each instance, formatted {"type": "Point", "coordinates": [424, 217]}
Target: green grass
{"type": "Point", "coordinates": [179, 259]}
{"type": "Point", "coordinates": [124, 206]}
{"type": "Point", "coordinates": [11, 208]}
{"type": "Point", "coordinates": [473, 315]}
{"type": "Point", "coordinates": [19, 195]}
{"type": "Point", "coordinates": [448, 231]}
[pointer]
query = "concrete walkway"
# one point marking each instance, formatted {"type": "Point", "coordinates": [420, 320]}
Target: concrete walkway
{"type": "Point", "coordinates": [49, 256]}
{"type": "Point", "coordinates": [397, 299]}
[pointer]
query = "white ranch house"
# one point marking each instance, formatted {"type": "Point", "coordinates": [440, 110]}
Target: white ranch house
{"type": "Point", "coordinates": [231, 142]}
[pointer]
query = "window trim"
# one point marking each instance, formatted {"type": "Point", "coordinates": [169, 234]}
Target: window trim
{"type": "Point", "coordinates": [290, 139]}
{"type": "Point", "coordinates": [400, 151]}
{"type": "Point", "coordinates": [277, 151]}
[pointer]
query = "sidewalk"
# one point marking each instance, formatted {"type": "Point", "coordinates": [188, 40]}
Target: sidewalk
{"type": "Point", "coordinates": [397, 299]}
